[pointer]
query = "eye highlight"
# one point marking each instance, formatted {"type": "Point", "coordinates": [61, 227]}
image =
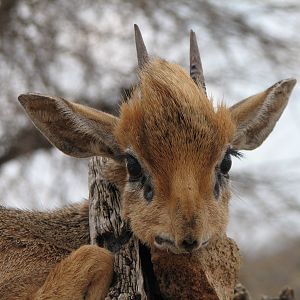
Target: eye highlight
{"type": "Point", "coordinates": [133, 167]}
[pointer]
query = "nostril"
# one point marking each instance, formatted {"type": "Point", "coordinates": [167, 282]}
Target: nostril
{"type": "Point", "coordinates": [189, 244]}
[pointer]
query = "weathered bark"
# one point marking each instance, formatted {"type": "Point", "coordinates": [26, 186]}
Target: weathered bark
{"type": "Point", "coordinates": [109, 230]}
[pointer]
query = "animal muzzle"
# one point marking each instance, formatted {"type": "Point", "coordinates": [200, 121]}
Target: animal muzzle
{"type": "Point", "coordinates": [188, 244]}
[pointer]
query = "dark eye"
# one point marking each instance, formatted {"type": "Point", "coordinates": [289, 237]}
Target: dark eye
{"type": "Point", "coordinates": [226, 164]}
{"type": "Point", "coordinates": [133, 167]}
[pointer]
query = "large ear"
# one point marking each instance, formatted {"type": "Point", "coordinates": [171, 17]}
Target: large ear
{"type": "Point", "coordinates": [256, 116]}
{"type": "Point", "coordinates": [75, 129]}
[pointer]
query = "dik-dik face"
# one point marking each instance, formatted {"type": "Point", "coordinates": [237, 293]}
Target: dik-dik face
{"type": "Point", "coordinates": [174, 146]}
{"type": "Point", "coordinates": [177, 149]}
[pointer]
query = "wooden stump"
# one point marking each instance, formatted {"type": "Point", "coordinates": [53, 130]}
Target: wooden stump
{"type": "Point", "coordinates": [209, 273]}
{"type": "Point", "coordinates": [107, 229]}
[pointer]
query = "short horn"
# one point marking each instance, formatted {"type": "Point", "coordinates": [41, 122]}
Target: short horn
{"type": "Point", "coordinates": [142, 54]}
{"type": "Point", "coordinates": [196, 70]}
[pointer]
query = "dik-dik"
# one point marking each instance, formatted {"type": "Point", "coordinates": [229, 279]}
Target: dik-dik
{"type": "Point", "coordinates": [173, 149]}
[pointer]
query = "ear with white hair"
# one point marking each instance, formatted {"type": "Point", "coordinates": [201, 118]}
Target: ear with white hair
{"type": "Point", "coordinates": [256, 116]}
{"type": "Point", "coordinates": [75, 129]}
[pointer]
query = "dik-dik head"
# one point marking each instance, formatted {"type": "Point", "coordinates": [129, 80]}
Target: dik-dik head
{"type": "Point", "coordinates": [174, 148]}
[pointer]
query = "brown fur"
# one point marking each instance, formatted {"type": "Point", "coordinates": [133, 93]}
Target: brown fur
{"type": "Point", "coordinates": [178, 138]}
{"type": "Point", "coordinates": [176, 133]}
{"type": "Point", "coordinates": [86, 271]}
{"type": "Point", "coordinates": [33, 243]}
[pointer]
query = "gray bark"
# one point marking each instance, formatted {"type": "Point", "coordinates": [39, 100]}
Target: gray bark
{"type": "Point", "coordinates": [107, 229]}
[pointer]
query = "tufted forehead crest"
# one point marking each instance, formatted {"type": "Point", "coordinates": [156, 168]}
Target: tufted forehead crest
{"type": "Point", "coordinates": [161, 80]}
{"type": "Point", "coordinates": [168, 115]}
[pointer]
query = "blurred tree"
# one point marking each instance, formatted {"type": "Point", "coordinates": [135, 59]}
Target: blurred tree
{"type": "Point", "coordinates": [84, 50]}
{"type": "Point", "coordinates": [72, 49]}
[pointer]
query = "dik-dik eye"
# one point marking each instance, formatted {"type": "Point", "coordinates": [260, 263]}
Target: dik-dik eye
{"type": "Point", "coordinates": [134, 168]}
{"type": "Point", "coordinates": [226, 163]}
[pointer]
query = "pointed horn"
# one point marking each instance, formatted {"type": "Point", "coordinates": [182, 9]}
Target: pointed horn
{"type": "Point", "coordinates": [196, 70]}
{"type": "Point", "coordinates": [142, 54]}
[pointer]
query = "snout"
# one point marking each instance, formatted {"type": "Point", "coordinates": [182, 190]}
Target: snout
{"type": "Point", "coordinates": [188, 244]}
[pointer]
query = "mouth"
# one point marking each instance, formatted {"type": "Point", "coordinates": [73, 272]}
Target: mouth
{"type": "Point", "coordinates": [163, 242]}
{"type": "Point", "coordinates": [205, 243]}
{"type": "Point", "coordinates": [159, 241]}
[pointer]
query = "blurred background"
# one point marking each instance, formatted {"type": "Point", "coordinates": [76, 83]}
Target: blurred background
{"type": "Point", "coordinates": [84, 50]}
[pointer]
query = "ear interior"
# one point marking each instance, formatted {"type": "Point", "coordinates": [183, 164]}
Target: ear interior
{"type": "Point", "coordinates": [75, 129]}
{"type": "Point", "coordinates": [256, 116]}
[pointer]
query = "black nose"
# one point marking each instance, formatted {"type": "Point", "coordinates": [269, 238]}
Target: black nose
{"type": "Point", "coordinates": [189, 244]}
